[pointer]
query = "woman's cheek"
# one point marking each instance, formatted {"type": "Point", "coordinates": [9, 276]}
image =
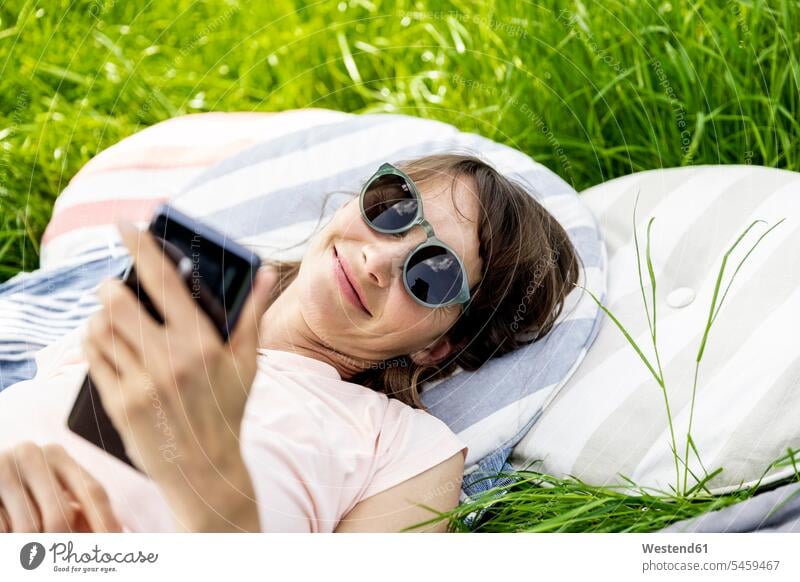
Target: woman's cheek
{"type": "Point", "coordinates": [403, 319]}
{"type": "Point", "coordinates": [321, 305]}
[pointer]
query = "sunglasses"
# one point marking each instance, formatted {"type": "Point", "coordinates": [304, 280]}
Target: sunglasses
{"type": "Point", "coordinates": [433, 274]}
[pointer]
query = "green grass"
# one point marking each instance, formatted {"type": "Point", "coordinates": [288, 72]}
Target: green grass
{"type": "Point", "coordinates": [536, 502]}
{"type": "Point", "coordinates": [594, 90]}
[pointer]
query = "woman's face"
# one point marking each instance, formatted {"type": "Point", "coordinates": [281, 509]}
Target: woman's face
{"type": "Point", "coordinates": [393, 324]}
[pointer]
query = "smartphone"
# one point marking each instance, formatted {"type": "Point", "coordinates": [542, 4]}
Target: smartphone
{"type": "Point", "coordinates": [219, 274]}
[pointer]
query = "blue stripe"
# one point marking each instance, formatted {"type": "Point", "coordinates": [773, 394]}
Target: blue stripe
{"type": "Point", "coordinates": [470, 397]}
{"type": "Point", "coordinates": [13, 372]}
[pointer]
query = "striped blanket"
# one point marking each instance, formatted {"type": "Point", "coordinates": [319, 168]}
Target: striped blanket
{"type": "Point", "coordinates": [38, 308]}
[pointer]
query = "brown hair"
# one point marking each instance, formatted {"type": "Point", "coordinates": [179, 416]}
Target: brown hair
{"type": "Point", "coordinates": [529, 267]}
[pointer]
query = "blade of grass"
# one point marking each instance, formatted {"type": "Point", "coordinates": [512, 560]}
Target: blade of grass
{"type": "Point", "coordinates": [712, 314]}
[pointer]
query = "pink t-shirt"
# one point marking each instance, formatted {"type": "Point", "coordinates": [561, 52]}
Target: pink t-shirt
{"type": "Point", "coordinates": [315, 445]}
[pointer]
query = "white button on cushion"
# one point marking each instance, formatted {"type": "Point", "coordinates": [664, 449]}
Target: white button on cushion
{"type": "Point", "coordinates": [680, 297]}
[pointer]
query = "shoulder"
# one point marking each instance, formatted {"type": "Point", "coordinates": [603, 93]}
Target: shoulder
{"type": "Point", "coordinates": [410, 503]}
{"type": "Point", "coordinates": [419, 464]}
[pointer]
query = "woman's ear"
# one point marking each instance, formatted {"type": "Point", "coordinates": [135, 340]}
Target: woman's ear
{"type": "Point", "coordinates": [434, 353]}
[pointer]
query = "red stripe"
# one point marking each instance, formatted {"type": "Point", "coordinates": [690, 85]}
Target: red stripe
{"type": "Point", "coordinates": [104, 212]}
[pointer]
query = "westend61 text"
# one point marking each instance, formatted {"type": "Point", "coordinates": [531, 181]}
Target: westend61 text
{"type": "Point", "coordinates": [675, 549]}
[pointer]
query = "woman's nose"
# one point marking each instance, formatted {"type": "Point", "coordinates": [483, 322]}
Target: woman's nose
{"type": "Point", "coordinates": [384, 259]}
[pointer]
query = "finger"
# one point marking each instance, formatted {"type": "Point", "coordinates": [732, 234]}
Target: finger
{"type": "Point", "coordinates": [132, 327]}
{"type": "Point", "coordinates": [90, 494]}
{"type": "Point", "coordinates": [247, 328]}
{"type": "Point", "coordinates": [116, 349]}
{"type": "Point", "coordinates": [104, 376]}
{"type": "Point", "coordinates": [158, 275]}
{"type": "Point", "coordinates": [22, 513]}
{"type": "Point", "coordinates": [54, 506]}
{"type": "Point", "coordinates": [96, 340]}
{"type": "Point", "coordinates": [110, 387]}
{"type": "Point", "coordinates": [130, 320]}
{"type": "Point", "coordinates": [5, 521]}
{"type": "Point", "coordinates": [81, 524]}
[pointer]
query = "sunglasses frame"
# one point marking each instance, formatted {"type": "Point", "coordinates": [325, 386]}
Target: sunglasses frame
{"type": "Point", "coordinates": [388, 169]}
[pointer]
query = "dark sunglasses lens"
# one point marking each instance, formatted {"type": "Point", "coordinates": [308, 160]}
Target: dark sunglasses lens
{"type": "Point", "coordinates": [434, 275]}
{"type": "Point", "coordinates": [389, 203]}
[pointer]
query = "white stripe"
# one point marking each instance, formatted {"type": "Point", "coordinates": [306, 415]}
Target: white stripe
{"type": "Point", "coordinates": [18, 357]}
{"type": "Point", "coordinates": [54, 296]}
{"type": "Point", "coordinates": [21, 334]}
{"type": "Point", "coordinates": [12, 351]}
{"type": "Point", "coordinates": [43, 323]}
{"type": "Point", "coordinates": [601, 197]}
{"type": "Point", "coordinates": [54, 300]}
{"type": "Point", "coordinates": [563, 382]}
{"type": "Point", "coordinates": [76, 313]}
{"type": "Point", "coordinates": [125, 184]}
{"type": "Point", "coordinates": [64, 249]}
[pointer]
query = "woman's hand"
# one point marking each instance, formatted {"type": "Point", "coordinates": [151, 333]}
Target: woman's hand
{"type": "Point", "coordinates": [43, 489]}
{"type": "Point", "coordinates": [176, 392]}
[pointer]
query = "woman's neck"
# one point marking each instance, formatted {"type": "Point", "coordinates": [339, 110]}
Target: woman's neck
{"type": "Point", "coordinates": [283, 328]}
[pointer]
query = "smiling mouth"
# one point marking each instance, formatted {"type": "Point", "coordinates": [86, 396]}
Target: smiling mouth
{"type": "Point", "coordinates": [348, 289]}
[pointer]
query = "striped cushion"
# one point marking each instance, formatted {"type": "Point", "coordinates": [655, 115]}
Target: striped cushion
{"type": "Point", "coordinates": [269, 197]}
{"type": "Point", "coordinates": [610, 420]}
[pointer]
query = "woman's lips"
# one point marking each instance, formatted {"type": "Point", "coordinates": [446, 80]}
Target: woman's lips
{"type": "Point", "coordinates": [345, 285]}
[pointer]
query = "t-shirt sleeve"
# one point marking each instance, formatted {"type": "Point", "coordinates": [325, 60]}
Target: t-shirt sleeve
{"type": "Point", "coordinates": [411, 442]}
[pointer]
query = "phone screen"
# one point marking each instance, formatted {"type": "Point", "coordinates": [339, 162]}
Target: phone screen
{"type": "Point", "coordinates": [209, 264]}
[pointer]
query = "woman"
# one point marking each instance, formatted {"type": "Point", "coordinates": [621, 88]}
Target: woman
{"type": "Point", "coordinates": [310, 418]}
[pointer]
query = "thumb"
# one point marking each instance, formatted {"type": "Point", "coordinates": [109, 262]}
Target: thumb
{"type": "Point", "coordinates": [246, 332]}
